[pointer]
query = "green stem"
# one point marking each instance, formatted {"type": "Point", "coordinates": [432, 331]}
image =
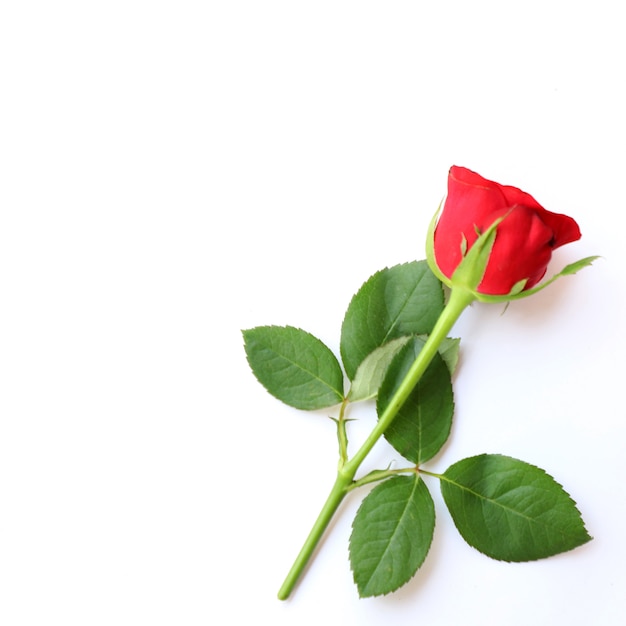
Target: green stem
{"type": "Point", "coordinates": [342, 436]}
{"type": "Point", "coordinates": [335, 497]}
{"type": "Point", "coordinates": [458, 301]}
{"type": "Point", "coordinates": [378, 475]}
{"type": "Point", "coordinates": [439, 476]}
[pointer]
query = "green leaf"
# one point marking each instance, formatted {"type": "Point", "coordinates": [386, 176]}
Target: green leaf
{"type": "Point", "coordinates": [402, 300]}
{"type": "Point", "coordinates": [369, 375]}
{"type": "Point", "coordinates": [470, 271]}
{"type": "Point", "coordinates": [423, 422]}
{"type": "Point", "coordinates": [430, 248]}
{"type": "Point", "coordinates": [294, 366]}
{"type": "Point", "coordinates": [391, 535]}
{"type": "Point", "coordinates": [449, 352]}
{"type": "Point", "coordinates": [511, 510]}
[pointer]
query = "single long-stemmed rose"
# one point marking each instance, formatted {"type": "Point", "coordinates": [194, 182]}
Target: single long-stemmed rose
{"type": "Point", "coordinates": [491, 242]}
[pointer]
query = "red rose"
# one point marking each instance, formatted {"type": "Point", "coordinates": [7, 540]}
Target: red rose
{"type": "Point", "coordinates": [524, 240]}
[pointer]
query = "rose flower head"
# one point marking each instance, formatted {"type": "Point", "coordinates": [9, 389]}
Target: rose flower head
{"type": "Point", "coordinates": [525, 236]}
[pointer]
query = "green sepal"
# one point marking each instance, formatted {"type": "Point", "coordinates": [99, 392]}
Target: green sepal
{"type": "Point", "coordinates": [391, 535]}
{"type": "Point", "coordinates": [470, 271]}
{"type": "Point", "coordinates": [430, 249]}
{"type": "Point", "coordinates": [516, 293]}
{"type": "Point", "coordinates": [294, 366]}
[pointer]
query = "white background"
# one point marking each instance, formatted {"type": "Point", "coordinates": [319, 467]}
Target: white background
{"type": "Point", "coordinates": [173, 172]}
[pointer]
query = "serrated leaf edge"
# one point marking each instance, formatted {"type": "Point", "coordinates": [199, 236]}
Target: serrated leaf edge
{"type": "Point", "coordinates": [337, 392]}
{"type": "Point", "coordinates": [534, 520]}
{"type": "Point", "coordinates": [416, 486]}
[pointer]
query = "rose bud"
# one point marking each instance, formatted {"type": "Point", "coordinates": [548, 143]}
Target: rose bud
{"type": "Point", "coordinates": [525, 236]}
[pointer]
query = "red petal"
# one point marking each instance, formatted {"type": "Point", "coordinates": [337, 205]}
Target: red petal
{"type": "Point", "coordinates": [522, 250]}
{"type": "Point", "coordinates": [471, 198]}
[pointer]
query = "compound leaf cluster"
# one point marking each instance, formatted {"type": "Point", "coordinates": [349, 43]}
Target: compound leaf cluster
{"type": "Point", "coordinates": [505, 508]}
